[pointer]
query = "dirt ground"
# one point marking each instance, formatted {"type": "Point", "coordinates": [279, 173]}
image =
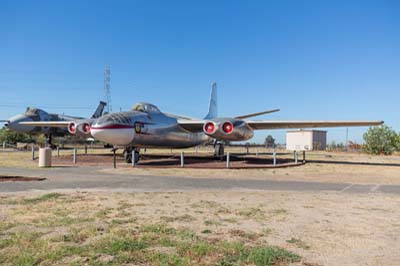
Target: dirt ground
{"type": "Point", "coordinates": [321, 228]}
{"type": "Point", "coordinates": [357, 168]}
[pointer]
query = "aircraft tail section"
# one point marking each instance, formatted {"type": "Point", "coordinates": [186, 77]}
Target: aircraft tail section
{"type": "Point", "coordinates": [99, 110]}
{"type": "Point", "coordinates": [213, 107]}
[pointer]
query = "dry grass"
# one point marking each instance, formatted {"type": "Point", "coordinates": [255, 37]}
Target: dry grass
{"type": "Point", "coordinates": [199, 228]}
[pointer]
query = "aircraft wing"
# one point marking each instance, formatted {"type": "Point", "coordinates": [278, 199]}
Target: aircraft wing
{"type": "Point", "coordinates": [47, 123]}
{"type": "Point", "coordinates": [197, 125]}
{"type": "Point", "coordinates": [309, 124]}
{"type": "Point", "coordinates": [192, 125]}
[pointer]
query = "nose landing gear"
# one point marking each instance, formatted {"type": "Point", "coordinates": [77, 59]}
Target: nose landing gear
{"type": "Point", "coordinates": [130, 152]}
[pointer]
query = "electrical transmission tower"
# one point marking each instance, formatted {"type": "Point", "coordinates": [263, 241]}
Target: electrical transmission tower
{"type": "Point", "coordinates": [107, 93]}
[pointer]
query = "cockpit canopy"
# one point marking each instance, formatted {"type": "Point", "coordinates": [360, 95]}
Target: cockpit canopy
{"type": "Point", "coordinates": [34, 112]}
{"type": "Point", "coordinates": [146, 108]}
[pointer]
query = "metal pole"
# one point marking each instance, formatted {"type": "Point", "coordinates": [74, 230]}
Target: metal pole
{"type": "Point", "coordinates": [228, 159]}
{"type": "Point", "coordinates": [182, 160]}
{"type": "Point", "coordinates": [4, 145]}
{"type": "Point", "coordinates": [256, 152]}
{"type": "Point", "coordinates": [115, 159]}
{"type": "Point", "coordinates": [304, 156]}
{"type": "Point", "coordinates": [133, 159]}
{"type": "Point", "coordinates": [274, 156]}
{"type": "Point", "coordinates": [295, 156]}
{"type": "Point", "coordinates": [58, 151]}
{"type": "Point", "coordinates": [75, 155]}
{"type": "Point", "coordinates": [33, 151]}
{"type": "Point", "coordinates": [85, 149]}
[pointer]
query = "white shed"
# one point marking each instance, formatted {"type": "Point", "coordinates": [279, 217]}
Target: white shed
{"type": "Point", "coordinates": [305, 140]}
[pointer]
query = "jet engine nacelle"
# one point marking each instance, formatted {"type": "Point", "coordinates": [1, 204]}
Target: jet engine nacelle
{"type": "Point", "coordinates": [228, 129]}
{"type": "Point", "coordinates": [81, 129]}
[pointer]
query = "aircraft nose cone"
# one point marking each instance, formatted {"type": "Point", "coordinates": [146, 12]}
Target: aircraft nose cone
{"type": "Point", "coordinates": [112, 133]}
{"type": "Point", "coordinates": [14, 123]}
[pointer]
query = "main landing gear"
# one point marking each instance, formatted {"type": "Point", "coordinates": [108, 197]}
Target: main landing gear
{"type": "Point", "coordinates": [219, 150]}
{"type": "Point", "coordinates": [130, 152]}
{"type": "Point", "coordinates": [49, 139]}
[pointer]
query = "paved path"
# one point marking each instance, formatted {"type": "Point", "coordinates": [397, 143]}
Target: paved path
{"type": "Point", "coordinates": [91, 178]}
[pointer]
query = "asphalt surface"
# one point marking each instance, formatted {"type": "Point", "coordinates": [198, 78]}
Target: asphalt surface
{"type": "Point", "coordinates": [74, 178]}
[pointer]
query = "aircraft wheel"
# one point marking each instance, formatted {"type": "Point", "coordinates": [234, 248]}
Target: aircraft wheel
{"type": "Point", "coordinates": [136, 156]}
{"type": "Point", "coordinates": [219, 150]}
{"type": "Point", "coordinates": [128, 155]}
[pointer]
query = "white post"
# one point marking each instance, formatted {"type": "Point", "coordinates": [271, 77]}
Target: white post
{"type": "Point", "coordinates": [75, 155]}
{"type": "Point", "coordinates": [182, 160]}
{"type": "Point", "coordinates": [4, 145]}
{"type": "Point", "coordinates": [228, 158]}
{"type": "Point", "coordinates": [295, 156]}
{"type": "Point", "coordinates": [256, 152]}
{"type": "Point", "coordinates": [274, 155]}
{"type": "Point", "coordinates": [33, 151]}
{"type": "Point", "coordinates": [133, 159]}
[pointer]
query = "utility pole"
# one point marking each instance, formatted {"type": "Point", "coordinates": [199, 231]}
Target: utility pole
{"type": "Point", "coordinates": [107, 93]}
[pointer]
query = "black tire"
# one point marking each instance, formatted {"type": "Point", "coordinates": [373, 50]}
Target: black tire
{"type": "Point", "coordinates": [136, 156]}
{"type": "Point", "coordinates": [219, 150]}
{"type": "Point", "coordinates": [128, 155]}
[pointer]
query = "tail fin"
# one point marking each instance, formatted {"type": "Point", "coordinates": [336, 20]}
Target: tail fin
{"type": "Point", "coordinates": [213, 107]}
{"type": "Point", "coordinates": [99, 110]}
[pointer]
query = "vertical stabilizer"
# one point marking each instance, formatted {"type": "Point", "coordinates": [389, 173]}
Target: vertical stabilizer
{"type": "Point", "coordinates": [99, 110]}
{"type": "Point", "coordinates": [213, 107]}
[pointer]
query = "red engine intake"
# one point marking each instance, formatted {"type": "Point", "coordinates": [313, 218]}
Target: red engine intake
{"type": "Point", "coordinates": [72, 128]}
{"type": "Point", "coordinates": [86, 128]}
{"type": "Point", "coordinates": [227, 127]}
{"type": "Point", "coordinates": [210, 128]}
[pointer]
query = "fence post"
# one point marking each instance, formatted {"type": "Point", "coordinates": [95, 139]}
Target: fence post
{"type": "Point", "coordinates": [295, 156]}
{"type": "Point", "coordinates": [182, 159]}
{"type": "Point", "coordinates": [75, 155]}
{"type": "Point", "coordinates": [115, 159]}
{"type": "Point", "coordinates": [4, 145]}
{"type": "Point", "coordinates": [58, 151]}
{"type": "Point", "coordinates": [228, 159]}
{"type": "Point", "coordinates": [304, 156]}
{"type": "Point", "coordinates": [33, 151]}
{"type": "Point", "coordinates": [274, 156]}
{"type": "Point", "coordinates": [85, 149]}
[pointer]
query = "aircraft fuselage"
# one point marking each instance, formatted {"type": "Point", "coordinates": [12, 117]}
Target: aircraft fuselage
{"type": "Point", "coordinates": [140, 129]}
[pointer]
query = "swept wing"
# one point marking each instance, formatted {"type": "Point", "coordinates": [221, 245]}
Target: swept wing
{"type": "Point", "coordinates": [197, 125]}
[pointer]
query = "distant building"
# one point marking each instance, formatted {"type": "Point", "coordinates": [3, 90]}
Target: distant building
{"type": "Point", "coordinates": [306, 140]}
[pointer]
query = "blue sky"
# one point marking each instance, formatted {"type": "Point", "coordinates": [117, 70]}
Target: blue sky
{"type": "Point", "coordinates": [316, 60]}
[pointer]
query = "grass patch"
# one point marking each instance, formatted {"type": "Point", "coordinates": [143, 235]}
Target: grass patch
{"type": "Point", "coordinates": [298, 242]}
{"type": "Point", "coordinates": [45, 197]}
{"type": "Point", "coordinates": [238, 254]}
{"type": "Point", "coordinates": [256, 213]}
{"type": "Point", "coordinates": [182, 218]}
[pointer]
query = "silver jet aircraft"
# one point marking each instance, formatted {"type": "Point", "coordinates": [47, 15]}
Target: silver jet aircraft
{"type": "Point", "coordinates": [36, 121]}
{"type": "Point", "coordinates": [145, 126]}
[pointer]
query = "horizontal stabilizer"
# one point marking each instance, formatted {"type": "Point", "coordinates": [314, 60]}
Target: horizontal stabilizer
{"type": "Point", "coordinates": [47, 123]}
{"type": "Point", "coordinates": [257, 114]}
{"type": "Point", "coordinates": [4, 121]}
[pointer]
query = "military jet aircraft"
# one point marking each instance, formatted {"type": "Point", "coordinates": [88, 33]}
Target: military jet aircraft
{"type": "Point", "coordinates": [36, 121]}
{"type": "Point", "coordinates": [145, 126]}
